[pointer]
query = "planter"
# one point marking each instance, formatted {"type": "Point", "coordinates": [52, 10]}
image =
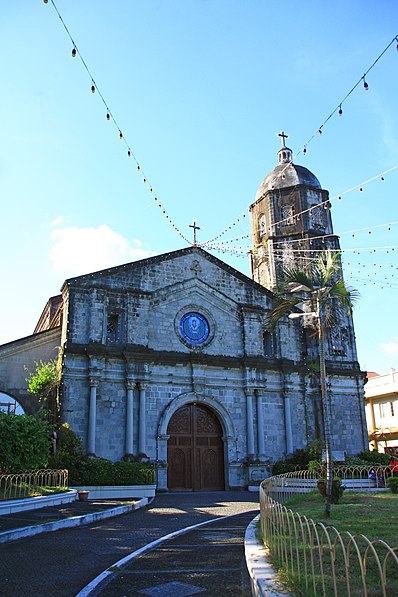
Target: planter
{"type": "Point", "coordinates": [109, 492]}
{"type": "Point", "coordinates": [83, 495]}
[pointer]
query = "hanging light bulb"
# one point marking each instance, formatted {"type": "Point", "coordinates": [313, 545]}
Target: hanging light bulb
{"type": "Point", "coordinates": [120, 135]}
{"type": "Point", "coordinates": [144, 180]}
{"type": "Point", "coordinates": [339, 198]}
{"type": "Point", "coordinates": [92, 89]}
{"type": "Point", "coordinates": [320, 131]}
{"type": "Point", "coordinates": [365, 85]}
{"type": "Point", "coordinates": [108, 116]}
{"type": "Point", "coordinates": [340, 110]}
{"type": "Point", "coordinates": [129, 153]}
{"type": "Point", "coordinates": [74, 52]}
{"type": "Point", "coordinates": [361, 189]}
{"type": "Point", "coordinates": [45, 1]}
{"type": "Point", "coordinates": [138, 167]}
{"type": "Point", "coordinates": [382, 178]}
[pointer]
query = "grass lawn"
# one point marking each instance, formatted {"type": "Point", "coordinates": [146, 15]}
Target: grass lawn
{"type": "Point", "coordinates": [374, 515]}
{"type": "Point", "coordinates": [24, 491]}
{"type": "Point", "coordinates": [314, 563]}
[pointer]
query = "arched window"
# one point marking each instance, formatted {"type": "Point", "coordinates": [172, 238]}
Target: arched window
{"type": "Point", "coordinates": [262, 227]}
{"type": "Point", "coordinates": [268, 344]}
{"type": "Point", "coordinates": [8, 404]}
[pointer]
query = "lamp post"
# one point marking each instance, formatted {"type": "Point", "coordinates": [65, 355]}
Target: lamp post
{"type": "Point", "coordinates": [324, 399]}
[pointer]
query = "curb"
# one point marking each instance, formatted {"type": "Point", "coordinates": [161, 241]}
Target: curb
{"type": "Point", "coordinates": [263, 577]}
{"type": "Point", "coordinates": [23, 504]}
{"type": "Point", "coordinates": [101, 578]}
{"type": "Point", "coordinates": [67, 523]}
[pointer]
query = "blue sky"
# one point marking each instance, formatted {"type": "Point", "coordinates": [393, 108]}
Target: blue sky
{"type": "Point", "coordinates": [199, 89]}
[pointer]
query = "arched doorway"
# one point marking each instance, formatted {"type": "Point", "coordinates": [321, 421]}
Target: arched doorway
{"type": "Point", "coordinates": [195, 450]}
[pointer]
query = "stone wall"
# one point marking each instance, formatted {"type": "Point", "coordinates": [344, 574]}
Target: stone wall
{"type": "Point", "coordinates": [16, 356]}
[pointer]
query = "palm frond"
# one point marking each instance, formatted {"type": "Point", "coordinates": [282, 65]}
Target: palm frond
{"type": "Point", "coordinates": [324, 283]}
{"type": "Point", "coordinates": [294, 275]}
{"type": "Point", "coordinates": [283, 307]}
{"type": "Point", "coordinates": [326, 267]}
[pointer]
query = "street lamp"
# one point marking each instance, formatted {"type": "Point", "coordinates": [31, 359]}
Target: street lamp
{"type": "Point", "coordinates": [324, 401]}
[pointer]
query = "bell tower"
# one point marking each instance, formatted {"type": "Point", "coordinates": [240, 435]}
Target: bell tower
{"type": "Point", "coordinates": [290, 219]}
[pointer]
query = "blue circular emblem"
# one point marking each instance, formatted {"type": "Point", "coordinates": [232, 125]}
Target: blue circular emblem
{"type": "Point", "coordinates": [194, 328]}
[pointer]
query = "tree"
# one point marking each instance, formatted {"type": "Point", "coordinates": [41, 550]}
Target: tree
{"type": "Point", "coordinates": [323, 298]}
{"type": "Point", "coordinates": [43, 383]}
{"type": "Point", "coordinates": [24, 443]}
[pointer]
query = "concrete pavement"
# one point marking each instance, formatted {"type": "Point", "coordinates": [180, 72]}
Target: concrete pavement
{"type": "Point", "coordinates": [63, 563]}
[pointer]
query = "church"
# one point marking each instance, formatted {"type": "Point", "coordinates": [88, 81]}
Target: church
{"type": "Point", "coordinates": [171, 358]}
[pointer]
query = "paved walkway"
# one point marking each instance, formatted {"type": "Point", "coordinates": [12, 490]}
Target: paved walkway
{"type": "Point", "coordinates": [208, 560]}
{"type": "Point", "coordinates": [64, 562]}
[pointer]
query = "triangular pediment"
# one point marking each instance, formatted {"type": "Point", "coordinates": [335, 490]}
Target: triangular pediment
{"type": "Point", "coordinates": [188, 263]}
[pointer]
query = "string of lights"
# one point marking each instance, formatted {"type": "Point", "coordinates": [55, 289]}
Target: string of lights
{"type": "Point", "coordinates": [339, 105]}
{"type": "Point", "coordinates": [323, 204]}
{"type": "Point", "coordinates": [388, 226]}
{"type": "Point", "coordinates": [230, 227]}
{"type": "Point", "coordinates": [338, 108]}
{"type": "Point", "coordinates": [110, 117]}
{"type": "Point", "coordinates": [344, 250]}
{"type": "Point", "coordinates": [372, 270]}
{"type": "Point", "coordinates": [367, 282]}
{"type": "Point", "coordinates": [319, 132]}
{"type": "Point", "coordinates": [339, 196]}
{"type": "Point", "coordinates": [239, 251]}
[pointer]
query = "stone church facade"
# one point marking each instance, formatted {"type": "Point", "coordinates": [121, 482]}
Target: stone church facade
{"type": "Point", "coordinates": [170, 357]}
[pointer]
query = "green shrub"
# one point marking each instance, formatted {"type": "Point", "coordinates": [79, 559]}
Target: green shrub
{"type": "Point", "coordinates": [392, 483]}
{"type": "Point", "coordinates": [283, 466]}
{"type": "Point", "coordinates": [373, 457]}
{"type": "Point", "coordinates": [299, 460]}
{"type": "Point", "coordinates": [25, 443]}
{"type": "Point", "coordinates": [69, 453]}
{"type": "Point", "coordinates": [337, 490]}
{"type": "Point", "coordinates": [316, 466]}
{"type": "Point", "coordinates": [100, 471]}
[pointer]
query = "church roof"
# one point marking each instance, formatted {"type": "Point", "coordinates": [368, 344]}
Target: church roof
{"type": "Point", "coordinates": [172, 255]}
{"type": "Point", "coordinates": [287, 175]}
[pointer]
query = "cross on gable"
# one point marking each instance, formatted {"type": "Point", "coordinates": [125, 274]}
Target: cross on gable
{"type": "Point", "coordinates": [195, 228]}
{"type": "Point", "coordinates": [282, 134]}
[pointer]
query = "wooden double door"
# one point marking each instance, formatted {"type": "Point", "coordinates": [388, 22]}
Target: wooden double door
{"type": "Point", "coordinates": [195, 450]}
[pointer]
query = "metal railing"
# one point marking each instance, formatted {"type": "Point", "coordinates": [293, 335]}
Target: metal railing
{"type": "Point", "coordinates": [357, 478]}
{"type": "Point", "coordinates": [31, 483]}
{"type": "Point", "coordinates": [318, 559]}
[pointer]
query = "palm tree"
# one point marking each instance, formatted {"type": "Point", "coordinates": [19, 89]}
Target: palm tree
{"type": "Point", "coordinates": [320, 292]}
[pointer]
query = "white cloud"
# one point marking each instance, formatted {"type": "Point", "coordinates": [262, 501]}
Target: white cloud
{"type": "Point", "coordinates": [390, 348]}
{"type": "Point", "coordinates": [83, 250]}
{"type": "Point", "coordinates": [58, 221]}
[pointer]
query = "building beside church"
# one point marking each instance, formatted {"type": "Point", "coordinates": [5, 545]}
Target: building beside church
{"type": "Point", "coordinates": [171, 356]}
{"type": "Point", "coordinates": [381, 406]}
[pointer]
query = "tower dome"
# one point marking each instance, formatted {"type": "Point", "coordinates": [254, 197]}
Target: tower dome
{"type": "Point", "coordinates": [287, 174]}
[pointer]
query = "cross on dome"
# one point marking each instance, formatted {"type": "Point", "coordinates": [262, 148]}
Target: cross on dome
{"type": "Point", "coordinates": [282, 134]}
{"type": "Point", "coordinates": [284, 154]}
